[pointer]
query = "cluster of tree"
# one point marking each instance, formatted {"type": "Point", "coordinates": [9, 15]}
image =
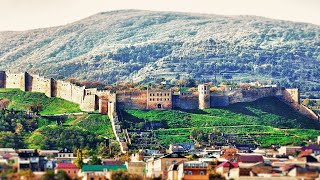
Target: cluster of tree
{"type": "Point", "coordinates": [18, 122]}
{"type": "Point", "coordinates": [55, 137]}
{"type": "Point", "coordinates": [14, 126]}
{"type": "Point", "coordinates": [123, 175]}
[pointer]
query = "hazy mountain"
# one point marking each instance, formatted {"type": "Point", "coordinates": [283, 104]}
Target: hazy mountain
{"type": "Point", "coordinates": [140, 45]}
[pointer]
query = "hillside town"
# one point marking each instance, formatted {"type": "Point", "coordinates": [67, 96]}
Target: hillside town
{"type": "Point", "coordinates": [178, 162]}
{"type": "Point", "coordinates": [134, 152]}
{"type": "Point", "coordinates": [159, 90]}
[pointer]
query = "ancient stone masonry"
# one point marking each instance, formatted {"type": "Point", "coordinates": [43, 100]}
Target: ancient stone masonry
{"type": "Point", "coordinates": [204, 96]}
{"type": "Point", "coordinates": [159, 99]}
{"type": "Point", "coordinates": [185, 100]}
{"type": "Point", "coordinates": [86, 98]}
{"type": "Point", "coordinates": [105, 101]}
{"type": "Point", "coordinates": [132, 99]}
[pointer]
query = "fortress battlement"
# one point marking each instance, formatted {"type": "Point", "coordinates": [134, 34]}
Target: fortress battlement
{"type": "Point", "coordinates": [91, 99]}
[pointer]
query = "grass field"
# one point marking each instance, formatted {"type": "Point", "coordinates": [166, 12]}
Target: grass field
{"type": "Point", "coordinates": [22, 100]}
{"type": "Point", "coordinates": [268, 121]}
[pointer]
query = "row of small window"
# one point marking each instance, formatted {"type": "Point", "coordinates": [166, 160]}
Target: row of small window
{"type": "Point", "coordinates": [202, 165]}
{"type": "Point", "coordinates": [190, 173]}
{"type": "Point", "coordinates": [63, 155]}
{"type": "Point", "coordinates": [172, 162]}
{"type": "Point", "coordinates": [159, 99]}
{"type": "Point", "coordinates": [74, 172]}
{"type": "Point", "coordinates": [183, 94]}
{"type": "Point", "coordinates": [160, 94]}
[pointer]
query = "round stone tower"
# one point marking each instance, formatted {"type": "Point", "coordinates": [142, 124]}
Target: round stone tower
{"type": "Point", "coordinates": [204, 96]}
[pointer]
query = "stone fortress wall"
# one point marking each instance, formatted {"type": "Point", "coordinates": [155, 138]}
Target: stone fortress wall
{"type": "Point", "coordinates": [104, 101]}
{"type": "Point", "coordinates": [108, 103]}
{"type": "Point", "coordinates": [86, 98]}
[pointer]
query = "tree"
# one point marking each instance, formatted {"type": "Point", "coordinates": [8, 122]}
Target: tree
{"type": "Point", "coordinates": [198, 134]}
{"type": "Point", "coordinates": [122, 175]}
{"type": "Point", "coordinates": [49, 175]}
{"type": "Point", "coordinates": [79, 161]}
{"type": "Point", "coordinates": [62, 175]}
{"type": "Point", "coordinates": [216, 176]}
{"type": "Point", "coordinates": [192, 157]}
{"type": "Point", "coordinates": [35, 107]}
{"type": "Point", "coordinates": [95, 160]}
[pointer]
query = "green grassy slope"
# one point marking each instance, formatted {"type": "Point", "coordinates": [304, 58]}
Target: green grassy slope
{"type": "Point", "coordinates": [22, 100]}
{"type": "Point", "coordinates": [94, 126]}
{"type": "Point", "coordinates": [268, 121]}
{"type": "Point", "coordinates": [85, 131]}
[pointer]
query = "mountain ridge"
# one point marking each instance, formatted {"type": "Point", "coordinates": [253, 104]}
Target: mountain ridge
{"type": "Point", "coordinates": [139, 45]}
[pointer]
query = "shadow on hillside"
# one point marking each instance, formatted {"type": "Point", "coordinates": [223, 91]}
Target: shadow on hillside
{"type": "Point", "coordinates": [239, 108]}
{"type": "Point", "coordinates": [273, 105]}
{"type": "Point", "coordinates": [194, 111]}
{"type": "Point", "coordinates": [130, 118]}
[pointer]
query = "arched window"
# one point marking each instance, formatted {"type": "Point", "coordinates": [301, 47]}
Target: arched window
{"type": "Point", "coordinates": [174, 161]}
{"type": "Point", "coordinates": [202, 173]}
{"type": "Point", "coordinates": [189, 172]}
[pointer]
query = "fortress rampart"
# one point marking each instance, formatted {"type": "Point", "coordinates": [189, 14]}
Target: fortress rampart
{"type": "Point", "coordinates": [107, 102]}
{"type": "Point", "coordinates": [86, 98]}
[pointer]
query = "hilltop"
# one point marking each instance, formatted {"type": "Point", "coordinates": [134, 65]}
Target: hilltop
{"type": "Point", "coordinates": [140, 45]}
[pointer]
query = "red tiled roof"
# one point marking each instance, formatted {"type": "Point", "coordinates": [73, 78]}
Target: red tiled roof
{"type": "Point", "coordinates": [305, 153]}
{"type": "Point", "coordinates": [7, 156]}
{"type": "Point", "coordinates": [250, 158]}
{"type": "Point", "coordinates": [66, 166]}
{"type": "Point", "coordinates": [228, 164]}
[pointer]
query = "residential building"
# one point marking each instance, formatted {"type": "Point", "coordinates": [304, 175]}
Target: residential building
{"type": "Point", "coordinates": [136, 167]}
{"type": "Point", "coordinates": [181, 147]}
{"type": "Point", "coordinates": [156, 167]}
{"type": "Point", "coordinates": [65, 155]}
{"type": "Point", "coordinates": [313, 148]}
{"type": "Point", "coordinates": [289, 150]}
{"type": "Point", "coordinates": [30, 159]}
{"type": "Point", "coordinates": [228, 169]}
{"type": "Point", "coordinates": [194, 170]}
{"type": "Point", "coordinates": [71, 169]}
{"type": "Point", "coordinates": [249, 158]}
{"type": "Point", "coordinates": [99, 172]}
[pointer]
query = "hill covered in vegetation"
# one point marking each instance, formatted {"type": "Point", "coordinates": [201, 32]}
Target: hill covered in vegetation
{"type": "Point", "coordinates": [141, 45]}
{"type": "Point", "coordinates": [267, 121]}
{"type": "Point", "coordinates": [19, 129]}
{"type": "Point", "coordinates": [25, 101]}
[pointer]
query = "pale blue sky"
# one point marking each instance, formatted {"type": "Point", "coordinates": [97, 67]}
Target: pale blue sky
{"type": "Point", "coordinates": [30, 14]}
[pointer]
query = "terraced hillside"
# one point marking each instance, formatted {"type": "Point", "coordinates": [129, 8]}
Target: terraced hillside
{"type": "Point", "coordinates": [266, 122]}
{"type": "Point", "coordinates": [50, 129]}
